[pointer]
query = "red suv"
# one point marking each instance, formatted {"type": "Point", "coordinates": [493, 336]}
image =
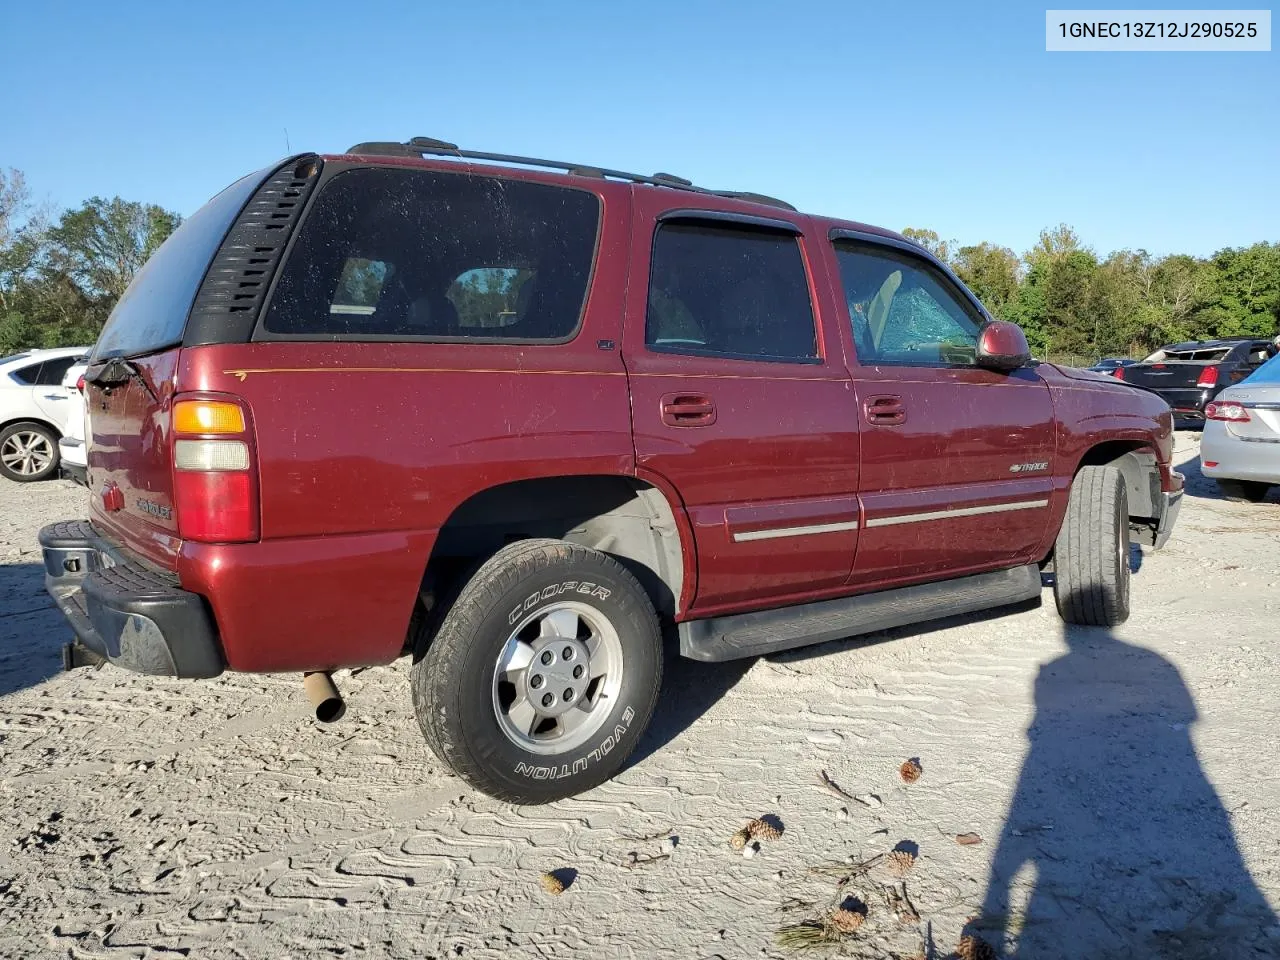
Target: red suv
{"type": "Point", "coordinates": [511, 417]}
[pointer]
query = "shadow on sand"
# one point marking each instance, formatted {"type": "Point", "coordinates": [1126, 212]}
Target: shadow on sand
{"type": "Point", "coordinates": [32, 629]}
{"type": "Point", "coordinates": [1116, 843]}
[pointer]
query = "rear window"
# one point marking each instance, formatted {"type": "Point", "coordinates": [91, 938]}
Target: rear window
{"type": "Point", "coordinates": [389, 254]}
{"type": "Point", "coordinates": [152, 314]}
{"type": "Point", "coordinates": [1208, 355]}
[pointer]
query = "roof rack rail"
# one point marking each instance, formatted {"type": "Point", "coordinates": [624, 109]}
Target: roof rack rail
{"type": "Point", "coordinates": [419, 146]}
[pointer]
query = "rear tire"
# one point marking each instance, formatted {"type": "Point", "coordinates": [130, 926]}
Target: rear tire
{"type": "Point", "coordinates": [28, 452]}
{"type": "Point", "coordinates": [1244, 491]}
{"type": "Point", "coordinates": [1091, 556]}
{"type": "Point", "coordinates": [541, 620]}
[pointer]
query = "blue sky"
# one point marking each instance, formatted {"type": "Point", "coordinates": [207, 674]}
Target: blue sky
{"type": "Point", "coordinates": [949, 116]}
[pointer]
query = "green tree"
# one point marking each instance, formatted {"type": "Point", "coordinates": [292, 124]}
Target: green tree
{"type": "Point", "coordinates": [930, 241]}
{"type": "Point", "coordinates": [104, 243]}
{"type": "Point", "coordinates": [992, 273]}
{"type": "Point", "coordinates": [59, 282]}
{"type": "Point", "coordinates": [1241, 293]}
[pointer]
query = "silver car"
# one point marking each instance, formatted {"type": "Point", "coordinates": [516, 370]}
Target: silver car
{"type": "Point", "coordinates": [1240, 447]}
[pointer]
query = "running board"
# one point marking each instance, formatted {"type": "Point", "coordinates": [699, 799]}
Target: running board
{"type": "Point", "coordinates": [768, 631]}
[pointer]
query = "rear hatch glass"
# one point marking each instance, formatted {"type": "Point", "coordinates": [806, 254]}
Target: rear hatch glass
{"type": "Point", "coordinates": [127, 420]}
{"type": "Point", "coordinates": [1168, 369]}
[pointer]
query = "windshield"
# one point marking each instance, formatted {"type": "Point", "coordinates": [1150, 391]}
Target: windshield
{"type": "Point", "coordinates": [1268, 373]}
{"type": "Point", "coordinates": [152, 314]}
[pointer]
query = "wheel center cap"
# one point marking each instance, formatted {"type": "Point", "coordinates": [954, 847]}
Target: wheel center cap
{"type": "Point", "coordinates": [557, 677]}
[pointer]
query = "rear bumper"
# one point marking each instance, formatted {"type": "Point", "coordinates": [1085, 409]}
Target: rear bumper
{"type": "Point", "coordinates": [1236, 458]}
{"type": "Point", "coordinates": [76, 472]}
{"type": "Point", "coordinates": [1186, 401]}
{"type": "Point", "coordinates": [129, 614]}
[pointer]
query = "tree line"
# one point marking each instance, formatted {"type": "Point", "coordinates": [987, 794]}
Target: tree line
{"type": "Point", "coordinates": [61, 275]}
{"type": "Point", "coordinates": [1072, 302]}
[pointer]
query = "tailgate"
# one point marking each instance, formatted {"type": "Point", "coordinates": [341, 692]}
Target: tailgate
{"type": "Point", "coordinates": [127, 434]}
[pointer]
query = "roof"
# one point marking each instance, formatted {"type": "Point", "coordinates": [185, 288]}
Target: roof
{"type": "Point", "coordinates": [420, 148]}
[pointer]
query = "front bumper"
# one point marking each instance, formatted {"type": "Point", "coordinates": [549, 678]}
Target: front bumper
{"type": "Point", "coordinates": [127, 613]}
{"type": "Point", "coordinates": [1170, 504]}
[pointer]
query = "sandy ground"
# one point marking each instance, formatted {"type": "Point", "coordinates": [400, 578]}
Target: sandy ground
{"type": "Point", "coordinates": [1124, 786]}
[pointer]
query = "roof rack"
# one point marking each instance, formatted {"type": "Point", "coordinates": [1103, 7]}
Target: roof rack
{"type": "Point", "coordinates": [420, 146]}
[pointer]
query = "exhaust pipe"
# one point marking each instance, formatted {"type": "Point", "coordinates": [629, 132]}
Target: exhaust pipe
{"type": "Point", "coordinates": [324, 697]}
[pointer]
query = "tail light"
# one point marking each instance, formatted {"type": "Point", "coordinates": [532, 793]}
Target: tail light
{"type": "Point", "coordinates": [80, 383]}
{"type": "Point", "coordinates": [1208, 377]}
{"type": "Point", "coordinates": [215, 484]}
{"type": "Point", "coordinates": [1226, 410]}
{"type": "Point", "coordinates": [1118, 373]}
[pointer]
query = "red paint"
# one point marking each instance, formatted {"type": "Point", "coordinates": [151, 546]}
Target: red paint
{"type": "Point", "coordinates": [112, 498]}
{"type": "Point", "coordinates": [364, 450]}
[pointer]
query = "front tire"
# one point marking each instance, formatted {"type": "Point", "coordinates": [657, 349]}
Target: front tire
{"type": "Point", "coordinates": [1244, 491]}
{"type": "Point", "coordinates": [28, 452]}
{"type": "Point", "coordinates": [1091, 555]}
{"type": "Point", "coordinates": [543, 674]}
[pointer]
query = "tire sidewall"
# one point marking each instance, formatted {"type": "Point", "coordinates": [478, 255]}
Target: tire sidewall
{"type": "Point", "coordinates": [610, 591]}
{"type": "Point", "coordinates": [1124, 572]}
{"type": "Point", "coordinates": [52, 437]}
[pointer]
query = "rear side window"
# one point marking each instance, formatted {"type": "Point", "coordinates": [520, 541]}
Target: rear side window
{"type": "Point", "coordinates": [388, 254]}
{"type": "Point", "coordinates": [52, 371]}
{"type": "Point", "coordinates": [28, 375]}
{"type": "Point", "coordinates": [737, 292]}
{"type": "Point", "coordinates": [152, 314]}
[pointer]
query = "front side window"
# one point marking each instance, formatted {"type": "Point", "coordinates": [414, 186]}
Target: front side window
{"type": "Point", "coordinates": [901, 311]}
{"type": "Point", "coordinates": [732, 291]}
{"type": "Point", "coordinates": [389, 254]}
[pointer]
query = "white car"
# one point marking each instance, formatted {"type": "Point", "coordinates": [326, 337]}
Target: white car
{"type": "Point", "coordinates": [71, 446]}
{"type": "Point", "coordinates": [34, 411]}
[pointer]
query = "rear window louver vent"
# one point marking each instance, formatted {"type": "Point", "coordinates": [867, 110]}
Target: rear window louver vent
{"type": "Point", "coordinates": [234, 289]}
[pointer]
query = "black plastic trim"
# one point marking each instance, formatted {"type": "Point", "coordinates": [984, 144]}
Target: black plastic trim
{"type": "Point", "coordinates": [769, 631]}
{"type": "Point", "coordinates": [234, 288]}
{"type": "Point", "coordinates": [124, 611]}
{"type": "Point", "coordinates": [728, 216]}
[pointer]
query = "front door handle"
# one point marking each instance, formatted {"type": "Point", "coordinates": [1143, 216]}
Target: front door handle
{"type": "Point", "coordinates": [885, 411]}
{"type": "Point", "coordinates": [688, 410]}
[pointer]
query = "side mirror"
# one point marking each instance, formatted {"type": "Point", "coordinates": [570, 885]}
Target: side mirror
{"type": "Point", "coordinates": [1002, 346]}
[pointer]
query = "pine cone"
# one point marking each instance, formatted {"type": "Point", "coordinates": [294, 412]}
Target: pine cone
{"type": "Point", "coordinates": [740, 838]}
{"type": "Point", "coordinates": [901, 862]}
{"type": "Point", "coordinates": [975, 948]}
{"type": "Point", "coordinates": [845, 920]}
{"type": "Point", "coordinates": [761, 829]}
{"type": "Point", "coordinates": [910, 770]}
{"type": "Point", "coordinates": [552, 884]}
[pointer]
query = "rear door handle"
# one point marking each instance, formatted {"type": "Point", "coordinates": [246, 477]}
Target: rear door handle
{"type": "Point", "coordinates": [54, 396]}
{"type": "Point", "coordinates": [688, 410]}
{"type": "Point", "coordinates": [885, 411]}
